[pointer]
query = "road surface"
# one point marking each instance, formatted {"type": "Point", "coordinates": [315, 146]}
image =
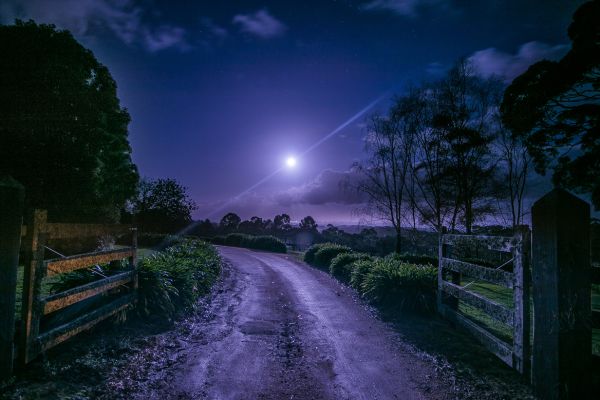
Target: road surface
{"type": "Point", "coordinates": [279, 329]}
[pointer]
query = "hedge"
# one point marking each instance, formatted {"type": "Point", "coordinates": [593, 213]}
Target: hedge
{"type": "Point", "coordinates": [341, 266]}
{"type": "Point", "coordinates": [268, 243]}
{"type": "Point", "coordinates": [321, 255]}
{"type": "Point", "coordinates": [401, 286]}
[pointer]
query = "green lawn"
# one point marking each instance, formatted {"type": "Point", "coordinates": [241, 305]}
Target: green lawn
{"type": "Point", "coordinates": [504, 296]}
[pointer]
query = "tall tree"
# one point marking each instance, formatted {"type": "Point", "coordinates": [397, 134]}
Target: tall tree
{"type": "Point", "coordinates": [162, 205]}
{"type": "Point", "coordinates": [282, 222]}
{"type": "Point", "coordinates": [465, 110]}
{"type": "Point", "coordinates": [515, 162]}
{"type": "Point", "coordinates": [63, 133]}
{"type": "Point", "coordinates": [308, 223]}
{"type": "Point", "coordinates": [555, 108]}
{"type": "Point", "coordinates": [430, 191]}
{"type": "Point", "coordinates": [230, 222]}
{"type": "Point", "coordinates": [390, 143]}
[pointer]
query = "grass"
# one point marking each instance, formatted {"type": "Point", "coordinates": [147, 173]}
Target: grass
{"type": "Point", "coordinates": [504, 296]}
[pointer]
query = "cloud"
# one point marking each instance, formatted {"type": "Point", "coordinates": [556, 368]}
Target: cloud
{"type": "Point", "coordinates": [213, 29]}
{"type": "Point", "coordinates": [82, 17]}
{"type": "Point", "coordinates": [492, 61]}
{"type": "Point", "coordinates": [165, 37]}
{"type": "Point", "coordinates": [331, 197]}
{"type": "Point", "coordinates": [328, 187]}
{"type": "Point", "coordinates": [407, 8]}
{"type": "Point", "coordinates": [260, 24]}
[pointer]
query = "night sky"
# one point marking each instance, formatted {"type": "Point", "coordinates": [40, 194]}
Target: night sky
{"type": "Point", "coordinates": [222, 92]}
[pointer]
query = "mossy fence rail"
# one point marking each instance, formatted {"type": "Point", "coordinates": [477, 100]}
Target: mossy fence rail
{"type": "Point", "coordinates": [47, 320]}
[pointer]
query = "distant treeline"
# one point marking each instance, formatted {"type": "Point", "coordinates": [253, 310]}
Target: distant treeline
{"type": "Point", "coordinates": [308, 232]}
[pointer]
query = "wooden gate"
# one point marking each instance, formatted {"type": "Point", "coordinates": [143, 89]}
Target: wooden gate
{"type": "Point", "coordinates": [35, 305]}
{"type": "Point", "coordinates": [451, 292]}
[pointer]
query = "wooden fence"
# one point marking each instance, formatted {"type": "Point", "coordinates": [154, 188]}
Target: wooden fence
{"type": "Point", "coordinates": [37, 231]}
{"type": "Point", "coordinates": [450, 293]}
{"type": "Point", "coordinates": [595, 278]}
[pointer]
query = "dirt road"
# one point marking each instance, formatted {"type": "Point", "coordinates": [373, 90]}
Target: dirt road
{"type": "Point", "coordinates": [282, 330]}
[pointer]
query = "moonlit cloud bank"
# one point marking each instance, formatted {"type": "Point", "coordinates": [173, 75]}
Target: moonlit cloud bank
{"type": "Point", "coordinates": [124, 19]}
{"type": "Point", "coordinates": [492, 61]}
{"type": "Point", "coordinates": [260, 24]}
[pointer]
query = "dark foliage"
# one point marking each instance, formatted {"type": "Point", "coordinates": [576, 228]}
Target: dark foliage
{"type": "Point", "coordinates": [172, 281]}
{"type": "Point", "coordinates": [308, 224]}
{"type": "Point", "coordinates": [327, 253]}
{"type": "Point", "coordinates": [401, 286]}
{"type": "Point", "coordinates": [268, 243]}
{"type": "Point", "coordinates": [419, 259]}
{"type": "Point", "coordinates": [555, 107]}
{"type": "Point", "coordinates": [309, 255]}
{"type": "Point", "coordinates": [359, 272]}
{"type": "Point", "coordinates": [229, 222]}
{"type": "Point", "coordinates": [162, 205]}
{"type": "Point", "coordinates": [341, 266]}
{"type": "Point", "coordinates": [63, 133]}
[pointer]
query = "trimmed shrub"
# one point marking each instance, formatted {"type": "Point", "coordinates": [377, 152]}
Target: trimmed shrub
{"type": "Point", "coordinates": [341, 265]}
{"type": "Point", "coordinates": [171, 282]}
{"type": "Point", "coordinates": [420, 259]}
{"type": "Point", "coordinates": [359, 271]}
{"type": "Point", "coordinates": [235, 239]}
{"type": "Point", "coordinates": [268, 243]}
{"type": "Point", "coordinates": [327, 253]}
{"type": "Point", "coordinates": [401, 286]}
{"type": "Point", "coordinates": [309, 255]}
{"type": "Point", "coordinates": [218, 240]}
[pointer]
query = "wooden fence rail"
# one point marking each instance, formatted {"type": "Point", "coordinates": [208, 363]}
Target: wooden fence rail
{"type": "Point", "coordinates": [35, 305]}
{"type": "Point", "coordinates": [450, 293]}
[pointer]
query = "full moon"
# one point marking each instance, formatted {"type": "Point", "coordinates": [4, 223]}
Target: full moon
{"type": "Point", "coordinates": [290, 162]}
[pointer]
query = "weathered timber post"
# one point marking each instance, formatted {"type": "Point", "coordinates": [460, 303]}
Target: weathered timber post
{"type": "Point", "coordinates": [442, 252]}
{"type": "Point", "coordinates": [36, 224]}
{"type": "Point", "coordinates": [521, 254]}
{"type": "Point", "coordinates": [11, 218]}
{"type": "Point", "coordinates": [562, 296]}
{"type": "Point", "coordinates": [133, 260]}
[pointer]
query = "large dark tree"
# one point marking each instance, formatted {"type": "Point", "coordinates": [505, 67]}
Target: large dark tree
{"type": "Point", "coordinates": [63, 133]}
{"type": "Point", "coordinates": [464, 113]}
{"type": "Point", "coordinates": [308, 224]}
{"type": "Point", "coordinates": [282, 223]}
{"type": "Point", "coordinates": [390, 142]}
{"type": "Point", "coordinates": [555, 107]}
{"type": "Point", "coordinates": [162, 205]}
{"type": "Point", "coordinates": [230, 222]}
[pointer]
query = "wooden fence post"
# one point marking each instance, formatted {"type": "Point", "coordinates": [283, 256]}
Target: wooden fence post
{"type": "Point", "coordinates": [36, 224]}
{"type": "Point", "coordinates": [133, 260]}
{"type": "Point", "coordinates": [442, 250]}
{"type": "Point", "coordinates": [11, 219]}
{"type": "Point", "coordinates": [522, 323]}
{"type": "Point", "coordinates": [562, 297]}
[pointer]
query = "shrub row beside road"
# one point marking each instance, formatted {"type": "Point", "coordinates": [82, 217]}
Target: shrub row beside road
{"type": "Point", "coordinates": [403, 282]}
